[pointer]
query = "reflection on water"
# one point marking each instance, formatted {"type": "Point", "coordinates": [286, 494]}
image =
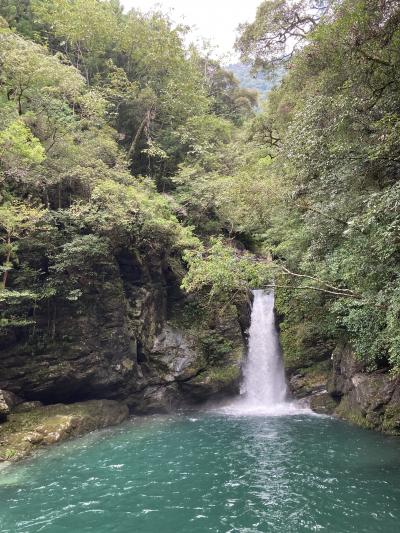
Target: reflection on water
{"type": "Point", "coordinates": [209, 472]}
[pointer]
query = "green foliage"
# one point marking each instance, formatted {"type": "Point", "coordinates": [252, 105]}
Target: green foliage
{"type": "Point", "coordinates": [215, 347]}
{"type": "Point", "coordinates": [279, 29]}
{"type": "Point", "coordinates": [18, 14]}
{"type": "Point", "coordinates": [139, 214]}
{"type": "Point", "coordinates": [18, 221]}
{"type": "Point", "coordinates": [78, 262]}
{"type": "Point", "coordinates": [18, 143]}
{"type": "Point", "coordinates": [86, 28]}
{"type": "Point", "coordinates": [29, 71]}
{"type": "Point", "coordinates": [229, 99]}
{"type": "Point", "coordinates": [332, 128]}
{"type": "Point", "coordinates": [69, 203]}
{"type": "Point", "coordinates": [122, 139]}
{"type": "Point", "coordinates": [221, 274]}
{"type": "Point", "coordinates": [306, 329]}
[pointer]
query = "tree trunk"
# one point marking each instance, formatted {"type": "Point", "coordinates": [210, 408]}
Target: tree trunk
{"type": "Point", "coordinates": [145, 123]}
{"type": "Point", "coordinates": [8, 257]}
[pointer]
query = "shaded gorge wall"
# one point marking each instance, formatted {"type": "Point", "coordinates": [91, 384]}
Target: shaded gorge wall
{"type": "Point", "coordinates": [133, 336]}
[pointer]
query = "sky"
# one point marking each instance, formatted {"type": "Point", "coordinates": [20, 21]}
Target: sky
{"type": "Point", "coordinates": [215, 21]}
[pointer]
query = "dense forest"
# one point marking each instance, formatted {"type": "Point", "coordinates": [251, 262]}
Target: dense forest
{"type": "Point", "coordinates": [201, 264]}
{"type": "Point", "coordinates": [115, 136]}
{"type": "Point", "coordinates": [105, 119]}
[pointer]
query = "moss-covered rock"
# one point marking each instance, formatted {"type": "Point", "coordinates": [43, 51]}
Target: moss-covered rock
{"type": "Point", "coordinates": [214, 383]}
{"type": "Point", "coordinates": [26, 431]}
{"type": "Point", "coordinates": [391, 419]}
{"type": "Point", "coordinates": [343, 386]}
{"type": "Point", "coordinates": [368, 399]}
{"type": "Point", "coordinates": [323, 403]}
{"type": "Point", "coordinates": [310, 380]}
{"type": "Point", "coordinates": [350, 411]}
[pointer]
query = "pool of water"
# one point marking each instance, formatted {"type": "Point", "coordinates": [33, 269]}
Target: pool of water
{"type": "Point", "coordinates": [195, 473]}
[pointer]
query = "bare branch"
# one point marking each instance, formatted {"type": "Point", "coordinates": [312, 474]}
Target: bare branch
{"type": "Point", "coordinates": [319, 280]}
{"type": "Point", "coordinates": [304, 287]}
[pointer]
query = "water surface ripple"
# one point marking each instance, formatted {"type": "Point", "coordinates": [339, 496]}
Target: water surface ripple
{"type": "Point", "coordinates": [209, 472]}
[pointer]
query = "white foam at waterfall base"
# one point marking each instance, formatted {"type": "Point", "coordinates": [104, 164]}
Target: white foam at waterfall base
{"type": "Point", "coordinates": [264, 389]}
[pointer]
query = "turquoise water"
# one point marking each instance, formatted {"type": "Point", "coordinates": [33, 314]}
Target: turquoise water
{"type": "Point", "coordinates": [195, 473]}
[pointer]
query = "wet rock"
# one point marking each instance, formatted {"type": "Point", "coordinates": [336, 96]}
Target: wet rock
{"type": "Point", "coordinates": [368, 399]}
{"type": "Point", "coordinates": [344, 387]}
{"type": "Point", "coordinates": [391, 417]}
{"type": "Point", "coordinates": [45, 425]}
{"type": "Point", "coordinates": [8, 401]}
{"type": "Point", "coordinates": [132, 337]}
{"type": "Point", "coordinates": [213, 384]}
{"type": "Point", "coordinates": [322, 403]}
{"type": "Point", "coordinates": [176, 354]}
{"type": "Point", "coordinates": [372, 391]}
{"type": "Point", "coordinates": [155, 399]}
{"type": "Point", "coordinates": [27, 406]}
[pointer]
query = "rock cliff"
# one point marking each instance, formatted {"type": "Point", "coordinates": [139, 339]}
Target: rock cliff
{"type": "Point", "coordinates": [344, 387]}
{"type": "Point", "coordinates": [134, 337]}
{"type": "Point", "coordinates": [369, 399]}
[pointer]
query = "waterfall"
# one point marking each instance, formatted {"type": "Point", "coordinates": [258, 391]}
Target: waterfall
{"type": "Point", "coordinates": [264, 382]}
{"type": "Point", "coordinates": [264, 390]}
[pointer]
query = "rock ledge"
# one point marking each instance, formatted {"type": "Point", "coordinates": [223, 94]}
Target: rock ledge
{"type": "Point", "coordinates": [28, 430]}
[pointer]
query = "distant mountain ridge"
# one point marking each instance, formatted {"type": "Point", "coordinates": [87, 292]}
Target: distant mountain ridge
{"type": "Point", "coordinates": [248, 81]}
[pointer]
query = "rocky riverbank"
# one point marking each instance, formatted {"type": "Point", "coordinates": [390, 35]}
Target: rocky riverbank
{"type": "Point", "coordinates": [343, 386]}
{"type": "Point", "coordinates": [29, 426]}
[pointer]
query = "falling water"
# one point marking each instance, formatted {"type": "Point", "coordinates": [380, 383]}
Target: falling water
{"type": "Point", "coordinates": [264, 376]}
{"type": "Point", "coordinates": [264, 388]}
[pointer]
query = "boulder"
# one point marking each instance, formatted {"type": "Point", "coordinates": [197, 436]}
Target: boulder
{"type": "Point", "coordinates": [322, 403]}
{"type": "Point", "coordinates": [214, 383]}
{"type": "Point", "coordinates": [8, 401]}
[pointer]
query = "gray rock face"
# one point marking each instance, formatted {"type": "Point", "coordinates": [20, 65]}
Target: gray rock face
{"type": "Point", "coordinates": [369, 399]}
{"type": "Point", "coordinates": [8, 401]}
{"type": "Point", "coordinates": [344, 367]}
{"type": "Point", "coordinates": [344, 387]}
{"type": "Point", "coordinates": [4, 409]}
{"type": "Point", "coordinates": [126, 339]}
{"type": "Point", "coordinates": [176, 354]}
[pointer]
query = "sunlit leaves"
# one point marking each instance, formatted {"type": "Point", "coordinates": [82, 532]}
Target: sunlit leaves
{"type": "Point", "coordinates": [19, 146]}
{"type": "Point", "coordinates": [222, 274]}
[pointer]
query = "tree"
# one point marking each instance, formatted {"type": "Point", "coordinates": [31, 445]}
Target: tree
{"type": "Point", "coordinates": [18, 146]}
{"type": "Point", "coordinates": [222, 275]}
{"type": "Point", "coordinates": [17, 221]}
{"type": "Point", "coordinates": [335, 122]}
{"type": "Point", "coordinates": [85, 29]}
{"type": "Point", "coordinates": [229, 100]}
{"type": "Point", "coordinates": [27, 71]}
{"type": "Point", "coordinates": [279, 30]}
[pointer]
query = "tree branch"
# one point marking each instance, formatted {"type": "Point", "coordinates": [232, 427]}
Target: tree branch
{"type": "Point", "coordinates": [329, 217]}
{"type": "Point", "coordinates": [319, 280]}
{"type": "Point", "coordinates": [343, 294]}
{"type": "Point", "coordinates": [144, 124]}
